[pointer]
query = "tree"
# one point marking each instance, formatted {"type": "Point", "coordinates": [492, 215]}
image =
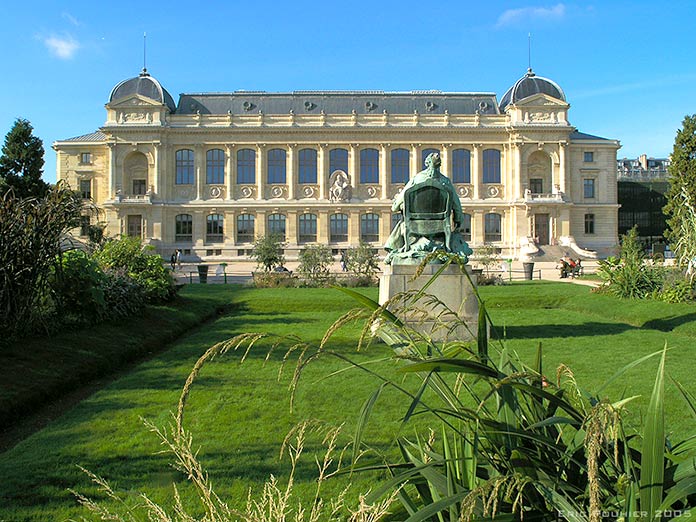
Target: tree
{"type": "Point", "coordinates": [681, 196]}
{"type": "Point", "coordinates": [21, 162]}
{"type": "Point", "coordinates": [268, 251]}
{"type": "Point", "coordinates": [362, 260]}
{"type": "Point", "coordinates": [315, 261]}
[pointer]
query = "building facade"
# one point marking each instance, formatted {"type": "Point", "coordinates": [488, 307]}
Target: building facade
{"type": "Point", "coordinates": [211, 173]}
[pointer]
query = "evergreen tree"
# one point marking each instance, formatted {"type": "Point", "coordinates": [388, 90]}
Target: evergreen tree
{"type": "Point", "coordinates": [22, 161]}
{"type": "Point", "coordinates": [681, 196]}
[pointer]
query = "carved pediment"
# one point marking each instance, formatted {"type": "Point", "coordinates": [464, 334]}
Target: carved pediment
{"type": "Point", "coordinates": [542, 101]}
{"type": "Point", "coordinates": [134, 101]}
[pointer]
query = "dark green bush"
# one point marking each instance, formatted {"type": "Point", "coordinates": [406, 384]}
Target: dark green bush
{"type": "Point", "coordinates": [122, 295]}
{"type": "Point", "coordinates": [77, 284]}
{"type": "Point", "coordinates": [141, 264]}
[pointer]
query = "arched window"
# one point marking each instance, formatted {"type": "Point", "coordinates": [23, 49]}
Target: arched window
{"type": "Point", "coordinates": [245, 228]}
{"type": "Point", "coordinates": [425, 153]}
{"type": "Point", "coordinates": [369, 227]}
{"type": "Point", "coordinates": [215, 166]}
{"type": "Point", "coordinates": [338, 228]}
{"type": "Point", "coordinates": [400, 166]}
{"type": "Point", "coordinates": [369, 166]}
{"type": "Point", "coordinates": [492, 228]}
{"type": "Point", "coordinates": [461, 166]}
{"type": "Point", "coordinates": [246, 166]}
{"type": "Point", "coordinates": [184, 167]}
{"type": "Point", "coordinates": [214, 228]}
{"type": "Point", "coordinates": [491, 166]}
{"type": "Point", "coordinates": [307, 232]}
{"type": "Point", "coordinates": [277, 166]}
{"type": "Point", "coordinates": [307, 166]}
{"type": "Point", "coordinates": [465, 227]}
{"type": "Point", "coordinates": [338, 160]}
{"type": "Point", "coordinates": [183, 230]}
{"type": "Point", "coordinates": [276, 225]}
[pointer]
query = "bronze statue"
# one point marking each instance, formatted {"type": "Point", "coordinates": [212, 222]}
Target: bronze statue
{"type": "Point", "coordinates": [432, 215]}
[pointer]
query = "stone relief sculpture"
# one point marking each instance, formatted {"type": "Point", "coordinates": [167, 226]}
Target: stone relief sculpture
{"type": "Point", "coordinates": [340, 189]}
{"type": "Point", "coordinates": [432, 215]}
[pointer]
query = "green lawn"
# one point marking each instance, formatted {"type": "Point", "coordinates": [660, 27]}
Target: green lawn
{"type": "Point", "coordinates": [239, 413]}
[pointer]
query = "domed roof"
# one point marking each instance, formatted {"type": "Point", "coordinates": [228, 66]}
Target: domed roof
{"type": "Point", "coordinates": [145, 85]}
{"type": "Point", "coordinates": [529, 85]}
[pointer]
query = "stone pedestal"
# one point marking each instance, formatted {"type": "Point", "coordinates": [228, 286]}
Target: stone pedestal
{"type": "Point", "coordinates": [452, 287]}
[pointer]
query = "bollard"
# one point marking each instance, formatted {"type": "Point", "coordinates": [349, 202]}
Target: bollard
{"type": "Point", "coordinates": [203, 273]}
{"type": "Point", "coordinates": [528, 271]}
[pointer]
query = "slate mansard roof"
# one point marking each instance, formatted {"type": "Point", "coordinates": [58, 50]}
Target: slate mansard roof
{"type": "Point", "coordinates": [145, 85]}
{"type": "Point", "coordinates": [338, 102]}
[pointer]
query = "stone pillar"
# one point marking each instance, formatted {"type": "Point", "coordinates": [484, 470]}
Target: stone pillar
{"type": "Point", "coordinates": [383, 178]}
{"type": "Point", "coordinates": [477, 174]}
{"type": "Point", "coordinates": [112, 171]}
{"type": "Point", "coordinates": [156, 171]}
{"type": "Point", "coordinates": [230, 227]}
{"type": "Point", "coordinates": [230, 171]}
{"type": "Point", "coordinates": [353, 173]}
{"type": "Point", "coordinates": [260, 172]}
{"type": "Point", "coordinates": [445, 158]}
{"type": "Point", "coordinates": [415, 163]}
{"type": "Point", "coordinates": [199, 225]}
{"type": "Point", "coordinates": [322, 171]}
{"type": "Point", "coordinates": [354, 227]}
{"type": "Point", "coordinates": [291, 173]}
{"type": "Point", "coordinates": [384, 225]}
{"type": "Point", "coordinates": [517, 174]}
{"type": "Point", "coordinates": [477, 228]}
{"type": "Point", "coordinates": [291, 227]}
{"type": "Point", "coordinates": [260, 223]}
{"type": "Point", "coordinates": [563, 170]}
{"type": "Point", "coordinates": [199, 169]}
{"type": "Point", "coordinates": [323, 227]}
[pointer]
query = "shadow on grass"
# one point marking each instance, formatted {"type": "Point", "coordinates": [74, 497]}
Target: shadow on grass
{"type": "Point", "coordinates": [667, 324]}
{"type": "Point", "coordinates": [548, 331]}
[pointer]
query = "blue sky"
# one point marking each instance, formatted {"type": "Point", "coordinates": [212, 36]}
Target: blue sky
{"type": "Point", "coordinates": [628, 68]}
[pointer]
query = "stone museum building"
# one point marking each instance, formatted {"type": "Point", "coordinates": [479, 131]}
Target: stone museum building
{"type": "Point", "coordinates": [212, 172]}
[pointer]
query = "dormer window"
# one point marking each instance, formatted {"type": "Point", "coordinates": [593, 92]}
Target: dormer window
{"type": "Point", "coordinates": [86, 158]}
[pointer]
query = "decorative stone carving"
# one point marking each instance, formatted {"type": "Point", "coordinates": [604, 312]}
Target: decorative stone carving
{"type": "Point", "coordinates": [184, 192]}
{"type": "Point", "coordinates": [464, 191]}
{"type": "Point", "coordinates": [247, 192]}
{"type": "Point", "coordinates": [132, 117]}
{"type": "Point", "coordinates": [308, 191]}
{"type": "Point", "coordinates": [372, 191]}
{"type": "Point", "coordinates": [340, 189]}
{"type": "Point", "coordinates": [539, 116]}
{"type": "Point", "coordinates": [217, 192]}
{"type": "Point", "coordinates": [278, 191]}
{"type": "Point", "coordinates": [494, 191]}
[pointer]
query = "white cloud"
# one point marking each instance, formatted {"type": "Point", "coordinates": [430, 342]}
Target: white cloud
{"type": "Point", "coordinates": [70, 18]}
{"type": "Point", "coordinates": [526, 15]}
{"type": "Point", "coordinates": [63, 47]}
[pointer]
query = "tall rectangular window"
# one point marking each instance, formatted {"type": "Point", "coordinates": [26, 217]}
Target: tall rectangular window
{"type": "Point", "coordinates": [536, 185]}
{"type": "Point", "coordinates": [246, 166]}
{"type": "Point", "coordinates": [369, 227]}
{"type": "Point", "coordinates": [214, 228]}
{"type": "Point", "coordinates": [492, 228]}
{"type": "Point", "coordinates": [245, 228]}
{"type": "Point", "coordinates": [277, 166]}
{"type": "Point", "coordinates": [461, 166]}
{"type": "Point", "coordinates": [183, 230]}
{"type": "Point", "coordinates": [369, 166]}
{"type": "Point", "coordinates": [215, 167]}
{"type": "Point", "coordinates": [86, 188]}
{"type": "Point", "coordinates": [276, 225]}
{"type": "Point", "coordinates": [400, 165]}
{"type": "Point", "coordinates": [307, 228]}
{"type": "Point", "coordinates": [338, 228]}
{"type": "Point", "coordinates": [184, 167]}
{"type": "Point", "coordinates": [589, 224]}
{"type": "Point", "coordinates": [491, 166]}
{"type": "Point", "coordinates": [588, 188]}
{"type": "Point", "coordinates": [465, 227]}
{"type": "Point", "coordinates": [338, 160]}
{"type": "Point", "coordinates": [139, 187]}
{"type": "Point", "coordinates": [307, 159]}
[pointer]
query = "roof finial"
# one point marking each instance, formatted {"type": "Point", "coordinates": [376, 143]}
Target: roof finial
{"type": "Point", "coordinates": [144, 73]}
{"type": "Point", "coordinates": [529, 53]}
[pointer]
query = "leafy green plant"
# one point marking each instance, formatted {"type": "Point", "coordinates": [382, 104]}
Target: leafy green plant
{"type": "Point", "coordinates": [141, 264]}
{"type": "Point", "coordinates": [268, 251]}
{"type": "Point", "coordinates": [362, 261]}
{"type": "Point", "coordinates": [78, 288]}
{"type": "Point", "coordinates": [315, 261]}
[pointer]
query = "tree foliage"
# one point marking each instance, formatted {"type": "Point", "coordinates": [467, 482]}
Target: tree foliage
{"type": "Point", "coordinates": [21, 162]}
{"type": "Point", "coordinates": [362, 260]}
{"type": "Point", "coordinates": [268, 251]}
{"type": "Point", "coordinates": [681, 196]}
{"type": "Point", "coordinates": [315, 261]}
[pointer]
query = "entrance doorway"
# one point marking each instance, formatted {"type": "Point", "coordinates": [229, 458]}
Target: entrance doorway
{"type": "Point", "coordinates": [135, 226]}
{"type": "Point", "coordinates": [541, 228]}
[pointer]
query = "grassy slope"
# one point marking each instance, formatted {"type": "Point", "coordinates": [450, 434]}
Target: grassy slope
{"type": "Point", "coordinates": [36, 370]}
{"type": "Point", "coordinates": [239, 414]}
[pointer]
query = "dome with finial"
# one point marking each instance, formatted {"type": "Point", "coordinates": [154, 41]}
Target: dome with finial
{"type": "Point", "coordinates": [529, 85]}
{"type": "Point", "coordinates": [144, 85]}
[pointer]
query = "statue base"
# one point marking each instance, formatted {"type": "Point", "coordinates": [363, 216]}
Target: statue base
{"type": "Point", "coordinates": [452, 288]}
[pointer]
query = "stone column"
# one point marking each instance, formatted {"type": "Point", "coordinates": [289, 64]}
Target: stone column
{"type": "Point", "coordinates": [353, 173]}
{"type": "Point", "coordinates": [477, 174]}
{"type": "Point", "coordinates": [291, 173]}
{"type": "Point", "coordinates": [323, 227]}
{"type": "Point", "coordinates": [230, 171]}
{"type": "Point", "coordinates": [415, 162]}
{"type": "Point", "coordinates": [112, 171]}
{"type": "Point", "coordinates": [445, 157]}
{"type": "Point", "coordinates": [354, 227]}
{"type": "Point", "coordinates": [563, 170]}
{"type": "Point", "coordinates": [260, 172]}
{"type": "Point", "coordinates": [477, 228]}
{"type": "Point", "coordinates": [260, 223]}
{"type": "Point", "coordinates": [156, 171]}
{"type": "Point", "coordinates": [230, 227]}
{"type": "Point", "coordinates": [322, 170]}
{"type": "Point", "coordinates": [199, 224]}
{"type": "Point", "coordinates": [384, 181]}
{"type": "Point", "coordinates": [199, 169]}
{"type": "Point", "coordinates": [291, 228]}
{"type": "Point", "coordinates": [384, 225]}
{"type": "Point", "coordinates": [517, 174]}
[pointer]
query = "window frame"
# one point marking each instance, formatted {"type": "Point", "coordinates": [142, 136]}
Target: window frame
{"type": "Point", "coordinates": [215, 167]}
{"type": "Point", "coordinates": [465, 227]}
{"type": "Point", "coordinates": [272, 223]}
{"type": "Point", "coordinates": [491, 166]}
{"type": "Point", "coordinates": [492, 236]}
{"type": "Point", "coordinates": [183, 228]}
{"type": "Point", "coordinates": [337, 161]}
{"type": "Point", "coordinates": [588, 156]}
{"type": "Point", "coordinates": [589, 183]}
{"type": "Point", "coordinates": [276, 167]}
{"type": "Point", "coordinates": [369, 166]}
{"type": "Point", "coordinates": [86, 194]}
{"type": "Point", "coordinates": [338, 222]}
{"type": "Point", "coordinates": [400, 166]}
{"type": "Point", "coordinates": [142, 184]}
{"type": "Point", "coordinates": [246, 166]}
{"type": "Point", "coordinates": [369, 227]}
{"type": "Point", "coordinates": [214, 228]}
{"type": "Point", "coordinates": [246, 228]}
{"type": "Point", "coordinates": [461, 168]}
{"type": "Point", "coordinates": [307, 228]}
{"type": "Point", "coordinates": [307, 172]}
{"type": "Point", "coordinates": [590, 224]}
{"type": "Point", "coordinates": [184, 160]}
